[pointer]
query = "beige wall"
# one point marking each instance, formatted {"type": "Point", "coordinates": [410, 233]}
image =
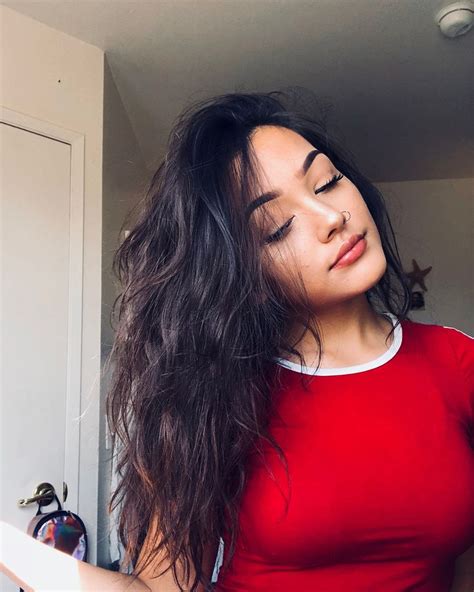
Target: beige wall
{"type": "Point", "coordinates": [433, 221]}
{"type": "Point", "coordinates": [125, 178]}
{"type": "Point", "coordinates": [54, 77]}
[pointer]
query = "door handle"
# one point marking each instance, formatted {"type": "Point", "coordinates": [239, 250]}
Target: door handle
{"type": "Point", "coordinates": [43, 495]}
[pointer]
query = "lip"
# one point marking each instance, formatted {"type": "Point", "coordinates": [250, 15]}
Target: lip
{"type": "Point", "coordinates": [347, 247]}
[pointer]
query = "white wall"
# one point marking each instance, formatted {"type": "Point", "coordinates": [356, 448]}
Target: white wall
{"type": "Point", "coordinates": [54, 77]}
{"type": "Point", "coordinates": [434, 224]}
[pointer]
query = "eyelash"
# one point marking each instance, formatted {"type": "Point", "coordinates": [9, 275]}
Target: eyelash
{"type": "Point", "coordinates": [277, 235]}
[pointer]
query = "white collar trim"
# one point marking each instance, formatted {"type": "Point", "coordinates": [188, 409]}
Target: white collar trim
{"type": "Point", "coordinates": [382, 359]}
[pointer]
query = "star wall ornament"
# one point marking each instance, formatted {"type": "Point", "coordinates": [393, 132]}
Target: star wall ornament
{"type": "Point", "coordinates": [417, 276]}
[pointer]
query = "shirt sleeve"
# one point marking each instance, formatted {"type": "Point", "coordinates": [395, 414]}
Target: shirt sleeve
{"type": "Point", "coordinates": [463, 347]}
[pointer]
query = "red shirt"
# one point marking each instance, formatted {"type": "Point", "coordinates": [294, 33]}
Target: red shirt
{"type": "Point", "coordinates": [381, 461]}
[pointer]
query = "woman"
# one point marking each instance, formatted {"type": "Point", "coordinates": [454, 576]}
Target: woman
{"type": "Point", "coordinates": [269, 387]}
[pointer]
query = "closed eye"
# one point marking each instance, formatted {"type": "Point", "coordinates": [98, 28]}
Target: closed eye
{"type": "Point", "coordinates": [329, 184]}
{"type": "Point", "coordinates": [278, 234]}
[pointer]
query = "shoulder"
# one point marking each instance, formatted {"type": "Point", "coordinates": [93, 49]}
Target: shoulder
{"type": "Point", "coordinates": [443, 333]}
{"type": "Point", "coordinates": [454, 344]}
{"type": "Point", "coordinates": [462, 344]}
{"type": "Point", "coordinates": [458, 336]}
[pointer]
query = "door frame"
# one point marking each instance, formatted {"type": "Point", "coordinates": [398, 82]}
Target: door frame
{"type": "Point", "coordinates": [74, 452]}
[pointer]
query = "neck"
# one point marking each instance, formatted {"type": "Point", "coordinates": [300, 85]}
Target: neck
{"type": "Point", "coordinates": [351, 333]}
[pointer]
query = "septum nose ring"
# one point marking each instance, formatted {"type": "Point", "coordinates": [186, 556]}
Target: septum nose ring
{"type": "Point", "coordinates": [345, 221]}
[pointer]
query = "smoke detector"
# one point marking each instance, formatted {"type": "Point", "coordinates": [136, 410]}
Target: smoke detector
{"type": "Point", "coordinates": [455, 19]}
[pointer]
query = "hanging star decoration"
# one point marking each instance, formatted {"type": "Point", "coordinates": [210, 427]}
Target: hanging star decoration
{"type": "Point", "coordinates": [417, 276]}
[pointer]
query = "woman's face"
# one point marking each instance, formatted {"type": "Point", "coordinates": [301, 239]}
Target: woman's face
{"type": "Point", "coordinates": [312, 239]}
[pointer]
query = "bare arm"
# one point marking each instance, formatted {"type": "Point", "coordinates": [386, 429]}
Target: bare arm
{"type": "Point", "coordinates": [37, 567]}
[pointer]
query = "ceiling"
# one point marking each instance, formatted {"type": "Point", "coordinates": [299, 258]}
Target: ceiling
{"type": "Point", "coordinates": [397, 93]}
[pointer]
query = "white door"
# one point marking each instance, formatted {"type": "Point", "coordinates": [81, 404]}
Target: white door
{"type": "Point", "coordinates": [39, 397]}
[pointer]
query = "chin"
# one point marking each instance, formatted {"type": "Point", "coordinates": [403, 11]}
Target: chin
{"type": "Point", "coordinates": [368, 270]}
{"type": "Point", "coordinates": [376, 269]}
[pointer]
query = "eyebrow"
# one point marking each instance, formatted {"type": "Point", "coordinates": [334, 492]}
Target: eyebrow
{"type": "Point", "coordinates": [269, 195]}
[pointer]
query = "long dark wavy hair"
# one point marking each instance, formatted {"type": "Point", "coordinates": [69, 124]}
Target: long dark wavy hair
{"type": "Point", "coordinates": [200, 321]}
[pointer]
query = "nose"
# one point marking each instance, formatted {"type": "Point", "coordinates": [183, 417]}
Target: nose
{"type": "Point", "coordinates": [331, 221]}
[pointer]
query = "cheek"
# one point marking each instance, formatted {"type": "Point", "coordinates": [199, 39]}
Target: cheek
{"type": "Point", "coordinates": [366, 217]}
{"type": "Point", "coordinates": [373, 238]}
{"type": "Point", "coordinates": [304, 254]}
{"type": "Point", "coordinates": [291, 264]}
{"type": "Point", "coordinates": [313, 262]}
